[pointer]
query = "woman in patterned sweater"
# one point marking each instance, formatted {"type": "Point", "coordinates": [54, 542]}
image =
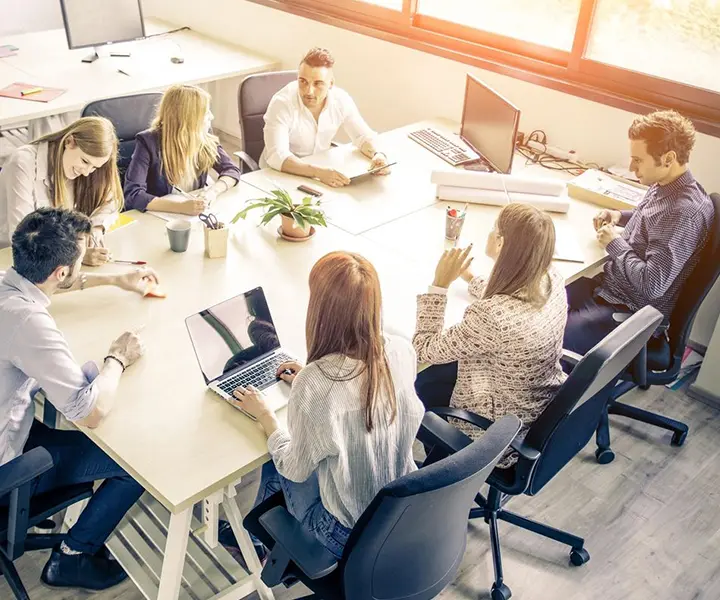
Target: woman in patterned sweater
{"type": "Point", "coordinates": [504, 356]}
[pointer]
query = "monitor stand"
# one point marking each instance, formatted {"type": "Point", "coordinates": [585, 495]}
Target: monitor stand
{"type": "Point", "coordinates": [91, 58]}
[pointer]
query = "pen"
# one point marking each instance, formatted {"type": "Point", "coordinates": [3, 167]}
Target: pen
{"type": "Point", "coordinates": [131, 262]}
{"type": "Point", "coordinates": [123, 72]}
{"type": "Point", "coordinates": [465, 208]}
{"type": "Point", "coordinates": [29, 91]}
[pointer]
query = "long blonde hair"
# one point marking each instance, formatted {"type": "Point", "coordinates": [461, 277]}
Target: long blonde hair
{"type": "Point", "coordinates": [183, 144]}
{"type": "Point", "coordinates": [345, 317]}
{"type": "Point", "coordinates": [521, 268]}
{"type": "Point", "coordinates": [96, 137]}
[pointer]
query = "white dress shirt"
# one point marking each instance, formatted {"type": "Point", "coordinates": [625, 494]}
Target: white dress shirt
{"type": "Point", "coordinates": [34, 355]}
{"type": "Point", "coordinates": [25, 187]}
{"type": "Point", "coordinates": [291, 129]}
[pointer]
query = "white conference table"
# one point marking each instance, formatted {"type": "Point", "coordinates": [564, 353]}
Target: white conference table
{"type": "Point", "coordinates": [183, 443]}
{"type": "Point", "coordinates": [45, 60]}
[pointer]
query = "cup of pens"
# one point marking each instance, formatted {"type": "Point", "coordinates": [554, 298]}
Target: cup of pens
{"type": "Point", "coordinates": [216, 236]}
{"type": "Point", "coordinates": [454, 220]}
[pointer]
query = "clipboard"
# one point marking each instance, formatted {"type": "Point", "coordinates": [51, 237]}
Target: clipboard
{"type": "Point", "coordinates": [14, 90]}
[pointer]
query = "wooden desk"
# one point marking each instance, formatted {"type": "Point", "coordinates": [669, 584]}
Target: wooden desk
{"type": "Point", "coordinates": [44, 59]}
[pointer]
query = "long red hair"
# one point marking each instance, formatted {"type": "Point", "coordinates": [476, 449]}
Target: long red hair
{"type": "Point", "coordinates": [345, 317]}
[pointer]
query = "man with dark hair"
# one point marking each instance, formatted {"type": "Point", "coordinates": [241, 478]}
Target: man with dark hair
{"type": "Point", "coordinates": [654, 255]}
{"type": "Point", "coordinates": [48, 248]}
{"type": "Point", "coordinates": [304, 117]}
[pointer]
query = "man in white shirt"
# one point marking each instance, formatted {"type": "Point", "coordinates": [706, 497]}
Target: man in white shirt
{"type": "Point", "coordinates": [304, 117]}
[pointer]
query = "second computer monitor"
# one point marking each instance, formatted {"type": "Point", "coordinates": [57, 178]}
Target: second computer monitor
{"type": "Point", "coordinates": [98, 22]}
{"type": "Point", "coordinates": [489, 124]}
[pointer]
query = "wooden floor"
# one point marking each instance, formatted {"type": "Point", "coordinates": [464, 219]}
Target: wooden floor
{"type": "Point", "coordinates": [651, 521]}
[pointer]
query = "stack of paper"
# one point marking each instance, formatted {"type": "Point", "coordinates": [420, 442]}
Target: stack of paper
{"type": "Point", "coordinates": [497, 189]}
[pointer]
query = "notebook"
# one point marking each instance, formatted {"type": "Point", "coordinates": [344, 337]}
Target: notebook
{"type": "Point", "coordinates": [14, 90]}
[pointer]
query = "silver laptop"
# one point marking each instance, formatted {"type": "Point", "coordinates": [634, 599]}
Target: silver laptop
{"type": "Point", "coordinates": [236, 344]}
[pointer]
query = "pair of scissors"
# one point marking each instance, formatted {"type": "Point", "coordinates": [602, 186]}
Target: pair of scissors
{"type": "Point", "coordinates": [210, 220]}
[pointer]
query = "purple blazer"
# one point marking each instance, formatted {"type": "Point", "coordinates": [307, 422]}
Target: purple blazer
{"type": "Point", "coordinates": [146, 180]}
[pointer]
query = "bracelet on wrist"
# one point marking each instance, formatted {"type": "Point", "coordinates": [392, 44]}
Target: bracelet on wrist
{"type": "Point", "coordinates": [117, 360]}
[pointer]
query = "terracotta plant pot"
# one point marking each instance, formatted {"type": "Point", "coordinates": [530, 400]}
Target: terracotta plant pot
{"type": "Point", "coordinates": [291, 229]}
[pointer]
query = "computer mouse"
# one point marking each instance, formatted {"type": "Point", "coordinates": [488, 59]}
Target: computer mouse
{"type": "Point", "coordinates": [177, 60]}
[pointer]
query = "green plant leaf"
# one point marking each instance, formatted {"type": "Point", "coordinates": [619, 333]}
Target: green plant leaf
{"type": "Point", "coordinates": [307, 201]}
{"type": "Point", "coordinates": [300, 220]}
{"type": "Point", "coordinates": [270, 215]}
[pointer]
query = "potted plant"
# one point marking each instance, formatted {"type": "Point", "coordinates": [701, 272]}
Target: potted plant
{"type": "Point", "coordinates": [297, 219]}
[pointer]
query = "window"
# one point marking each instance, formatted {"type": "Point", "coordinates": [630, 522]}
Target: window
{"type": "Point", "coordinates": [633, 54]}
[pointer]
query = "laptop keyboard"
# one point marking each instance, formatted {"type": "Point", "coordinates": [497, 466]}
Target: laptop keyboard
{"type": "Point", "coordinates": [261, 374]}
{"type": "Point", "coordinates": [437, 143]}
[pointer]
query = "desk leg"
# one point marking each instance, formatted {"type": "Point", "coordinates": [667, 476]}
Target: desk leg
{"type": "Point", "coordinates": [174, 560]}
{"type": "Point", "coordinates": [232, 511]}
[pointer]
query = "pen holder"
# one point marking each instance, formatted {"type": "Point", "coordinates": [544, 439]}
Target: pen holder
{"type": "Point", "coordinates": [216, 241]}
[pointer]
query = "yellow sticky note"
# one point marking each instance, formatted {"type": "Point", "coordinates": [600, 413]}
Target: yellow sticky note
{"type": "Point", "coordinates": [122, 220]}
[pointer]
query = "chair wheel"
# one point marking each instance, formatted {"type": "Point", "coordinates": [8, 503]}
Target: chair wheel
{"type": "Point", "coordinates": [604, 455]}
{"type": "Point", "coordinates": [500, 592]}
{"type": "Point", "coordinates": [579, 556]}
{"type": "Point", "coordinates": [678, 438]}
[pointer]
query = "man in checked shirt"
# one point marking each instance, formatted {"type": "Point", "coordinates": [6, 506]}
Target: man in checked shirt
{"type": "Point", "coordinates": [661, 241]}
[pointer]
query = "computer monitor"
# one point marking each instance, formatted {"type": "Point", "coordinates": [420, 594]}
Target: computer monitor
{"type": "Point", "coordinates": [489, 124]}
{"type": "Point", "coordinates": [99, 22]}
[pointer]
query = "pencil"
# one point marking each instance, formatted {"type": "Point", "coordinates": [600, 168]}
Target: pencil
{"type": "Point", "coordinates": [29, 91]}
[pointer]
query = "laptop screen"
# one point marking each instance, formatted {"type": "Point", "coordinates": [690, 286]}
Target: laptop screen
{"type": "Point", "coordinates": [232, 333]}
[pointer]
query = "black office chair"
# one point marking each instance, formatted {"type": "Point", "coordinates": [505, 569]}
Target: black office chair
{"type": "Point", "coordinates": [23, 512]}
{"type": "Point", "coordinates": [660, 360]}
{"type": "Point", "coordinates": [254, 95]}
{"type": "Point", "coordinates": [563, 429]}
{"type": "Point", "coordinates": [130, 115]}
{"type": "Point", "coordinates": [408, 544]}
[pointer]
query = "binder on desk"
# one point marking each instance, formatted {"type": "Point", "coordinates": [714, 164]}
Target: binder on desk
{"type": "Point", "coordinates": [15, 90]}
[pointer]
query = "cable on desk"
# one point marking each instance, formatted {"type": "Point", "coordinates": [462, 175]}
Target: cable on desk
{"type": "Point", "coordinates": [152, 35]}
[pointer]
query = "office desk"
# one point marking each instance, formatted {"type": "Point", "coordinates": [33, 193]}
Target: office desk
{"type": "Point", "coordinates": [44, 59]}
{"type": "Point", "coordinates": [180, 441]}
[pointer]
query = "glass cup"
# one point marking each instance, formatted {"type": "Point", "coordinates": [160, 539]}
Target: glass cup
{"type": "Point", "coordinates": [454, 225]}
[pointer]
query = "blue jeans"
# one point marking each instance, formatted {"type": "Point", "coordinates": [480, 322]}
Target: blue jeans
{"type": "Point", "coordinates": [303, 502]}
{"type": "Point", "coordinates": [77, 459]}
{"type": "Point", "coordinates": [435, 384]}
{"type": "Point", "coordinates": [590, 318]}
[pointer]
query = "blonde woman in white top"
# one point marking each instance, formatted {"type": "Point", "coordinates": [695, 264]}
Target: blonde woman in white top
{"type": "Point", "coordinates": [504, 356]}
{"type": "Point", "coordinates": [74, 168]}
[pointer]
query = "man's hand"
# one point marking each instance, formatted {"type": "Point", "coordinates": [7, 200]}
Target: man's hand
{"type": "Point", "coordinates": [606, 217]}
{"type": "Point", "coordinates": [137, 280]}
{"type": "Point", "coordinates": [192, 206]}
{"type": "Point", "coordinates": [606, 234]}
{"type": "Point", "coordinates": [94, 257]}
{"type": "Point", "coordinates": [379, 160]}
{"type": "Point", "coordinates": [293, 367]}
{"type": "Point", "coordinates": [332, 177]}
{"type": "Point", "coordinates": [127, 348]}
{"type": "Point", "coordinates": [452, 265]}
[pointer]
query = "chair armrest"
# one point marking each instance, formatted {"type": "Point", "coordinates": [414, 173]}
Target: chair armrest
{"type": "Point", "coordinates": [619, 317]}
{"type": "Point", "coordinates": [483, 423]}
{"type": "Point", "coordinates": [244, 157]}
{"type": "Point", "coordinates": [570, 358]}
{"type": "Point", "coordinates": [301, 546]}
{"type": "Point", "coordinates": [23, 469]}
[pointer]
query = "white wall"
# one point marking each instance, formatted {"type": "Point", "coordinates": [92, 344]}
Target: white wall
{"type": "Point", "coordinates": [394, 85]}
{"type": "Point", "coordinates": [23, 16]}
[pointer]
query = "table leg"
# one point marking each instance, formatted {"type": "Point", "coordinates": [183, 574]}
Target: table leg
{"type": "Point", "coordinates": [232, 511]}
{"type": "Point", "coordinates": [174, 559]}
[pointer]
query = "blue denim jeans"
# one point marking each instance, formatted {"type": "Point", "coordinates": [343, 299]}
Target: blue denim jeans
{"type": "Point", "coordinates": [303, 502]}
{"type": "Point", "coordinates": [77, 459]}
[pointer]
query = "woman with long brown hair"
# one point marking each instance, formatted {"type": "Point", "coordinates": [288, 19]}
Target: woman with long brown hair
{"type": "Point", "coordinates": [74, 168]}
{"type": "Point", "coordinates": [504, 356]}
{"type": "Point", "coordinates": [353, 412]}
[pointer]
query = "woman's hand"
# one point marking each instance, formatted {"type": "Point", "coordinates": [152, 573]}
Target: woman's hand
{"type": "Point", "coordinates": [452, 265]}
{"type": "Point", "coordinates": [287, 371]}
{"type": "Point", "coordinates": [94, 257]}
{"type": "Point", "coordinates": [254, 403]}
{"type": "Point", "coordinates": [380, 160]}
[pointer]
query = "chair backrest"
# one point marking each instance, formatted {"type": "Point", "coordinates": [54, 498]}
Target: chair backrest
{"type": "Point", "coordinates": [130, 115]}
{"type": "Point", "coordinates": [570, 420]}
{"type": "Point", "coordinates": [694, 290]}
{"type": "Point", "coordinates": [254, 95]}
{"type": "Point", "coordinates": [410, 541]}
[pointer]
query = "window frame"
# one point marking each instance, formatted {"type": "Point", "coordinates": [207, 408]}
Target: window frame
{"type": "Point", "coordinates": [567, 71]}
